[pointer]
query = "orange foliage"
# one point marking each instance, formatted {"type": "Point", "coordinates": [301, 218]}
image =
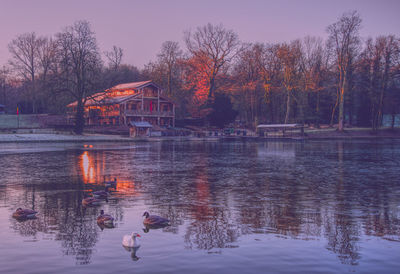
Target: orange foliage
{"type": "Point", "coordinates": [196, 79]}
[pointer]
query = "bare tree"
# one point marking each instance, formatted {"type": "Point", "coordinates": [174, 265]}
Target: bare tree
{"type": "Point", "coordinates": [290, 55]}
{"type": "Point", "coordinates": [344, 38]}
{"type": "Point", "coordinates": [313, 63]}
{"type": "Point", "coordinates": [214, 47]}
{"type": "Point", "coordinates": [391, 50]}
{"type": "Point", "coordinates": [168, 57]}
{"type": "Point", "coordinates": [114, 57]}
{"type": "Point", "coordinates": [25, 60]}
{"type": "Point", "coordinates": [80, 64]}
{"type": "Point", "coordinates": [48, 58]}
{"type": "Point", "coordinates": [377, 63]}
{"type": "Point", "coordinates": [248, 75]}
{"type": "Point", "coordinates": [4, 75]}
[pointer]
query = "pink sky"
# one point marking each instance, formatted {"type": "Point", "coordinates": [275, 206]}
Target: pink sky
{"type": "Point", "coordinates": [140, 27]}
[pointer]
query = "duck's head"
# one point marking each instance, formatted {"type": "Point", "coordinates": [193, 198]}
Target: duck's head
{"type": "Point", "coordinates": [115, 179]}
{"type": "Point", "coordinates": [19, 209]}
{"type": "Point", "coordinates": [134, 235]}
{"type": "Point", "coordinates": [101, 212]}
{"type": "Point", "coordinates": [146, 214]}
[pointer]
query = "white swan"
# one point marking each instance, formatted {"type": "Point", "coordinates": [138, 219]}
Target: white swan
{"type": "Point", "coordinates": [131, 240]}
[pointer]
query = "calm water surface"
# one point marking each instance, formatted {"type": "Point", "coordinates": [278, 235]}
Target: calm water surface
{"type": "Point", "coordinates": [328, 206]}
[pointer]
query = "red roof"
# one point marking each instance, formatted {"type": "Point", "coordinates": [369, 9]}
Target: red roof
{"type": "Point", "coordinates": [133, 85]}
{"type": "Point", "coordinates": [104, 98]}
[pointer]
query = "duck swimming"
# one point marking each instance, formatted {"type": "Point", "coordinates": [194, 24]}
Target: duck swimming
{"type": "Point", "coordinates": [131, 240]}
{"type": "Point", "coordinates": [90, 201]}
{"type": "Point", "coordinates": [154, 220]}
{"type": "Point", "coordinates": [105, 219]}
{"type": "Point", "coordinates": [101, 194]}
{"type": "Point", "coordinates": [24, 213]}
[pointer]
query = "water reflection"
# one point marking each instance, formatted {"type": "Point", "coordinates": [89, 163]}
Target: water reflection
{"type": "Point", "coordinates": [147, 228]}
{"type": "Point", "coordinates": [87, 168]}
{"type": "Point", "coordinates": [213, 193]}
{"type": "Point", "coordinates": [61, 218]}
{"type": "Point", "coordinates": [105, 226]}
{"type": "Point", "coordinates": [133, 251]}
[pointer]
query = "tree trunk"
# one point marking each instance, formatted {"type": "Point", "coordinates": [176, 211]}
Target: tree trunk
{"type": "Point", "coordinates": [211, 89]}
{"type": "Point", "coordinates": [169, 81]}
{"type": "Point", "coordinates": [341, 104]}
{"type": "Point", "coordinates": [317, 111]}
{"type": "Point", "coordinates": [350, 109]}
{"type": "Point", "coordinates": [4, 94]}
{"type": "Point", "coordinates": [380, 107]}
{"type": "Point", "coordinates": [341, 111]}
{"type": "Point", "coordinates": [79, 118]}
{"type": "Point", "coordinates": [334, 108]}
{"type": "Point", "coordinates": [33, 94]}
{"type": "Point", "coordinates": [287, 107]}
{"type": "Point", "coordinates": [302, 105]}
{"type": "Point", "coordinates": [272, 113]}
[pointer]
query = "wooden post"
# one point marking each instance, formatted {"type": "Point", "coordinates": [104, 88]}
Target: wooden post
{"type": "Point", "coordinates": [142, 100]}
{"type": "Point", "coordinates": [122, 111]}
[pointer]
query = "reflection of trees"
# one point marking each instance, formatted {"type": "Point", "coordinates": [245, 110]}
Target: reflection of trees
{"type": "Point", "coordinates": [217, 191]}
{"type": "Point", "coordinates": [210, 226]}
{"type": "Point", "coordinates": [226, 192]}
{"type": "Point", "coordinates": [62, 218]}
{"type": "Point", "coordinates": [340, 228]}
{"type": "Point", "coordinates": [342, 235]}
{"type": "Point", "coordinates": [77, 234]}
{"type": "Point", "coordinates": [213, 231]}
{"type": "Point", "coordinates": [57, 196]}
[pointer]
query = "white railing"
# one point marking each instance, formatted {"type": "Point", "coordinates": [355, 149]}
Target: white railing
{"type": "Point", "coordinates": [147, 113]}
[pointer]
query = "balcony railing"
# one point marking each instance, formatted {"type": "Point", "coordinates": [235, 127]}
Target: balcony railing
{"type": "Point", "coordinates": [148, 113]}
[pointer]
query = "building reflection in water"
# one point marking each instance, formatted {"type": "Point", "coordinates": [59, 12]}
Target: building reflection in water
{"type": "Point", "coordinates": [59, 202]}
{"type": "Point", "coordinates": [94, 170]}
{"type": "Point", "coordinates": [87, 168]}
{"type": "Point", "coordinates": [217, 193]}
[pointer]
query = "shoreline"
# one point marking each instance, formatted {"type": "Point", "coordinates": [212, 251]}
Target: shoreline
{"type": "Point", "coordinates": [351, 134]}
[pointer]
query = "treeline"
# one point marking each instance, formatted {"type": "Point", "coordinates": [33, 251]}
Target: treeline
{"type": "Point", "coordinates": [342, 80]}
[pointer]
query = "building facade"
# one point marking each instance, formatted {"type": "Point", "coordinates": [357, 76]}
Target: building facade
{"type": "Point", "coordinates": [125, 103]}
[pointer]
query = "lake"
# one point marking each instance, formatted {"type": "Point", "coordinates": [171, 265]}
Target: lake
{"type": "Point", "coordinates": [234, 207]}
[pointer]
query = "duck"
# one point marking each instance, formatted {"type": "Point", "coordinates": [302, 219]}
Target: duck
{"type": "Point", "coordinates": [24, 213]}
{"type": "Point", "coordinates": [154, 220]}
{"type": "Point", "coordinates": [90, 201]}
{"type": "Point", "coordinates": [131, 241]}
{"type": "Point", "coordinates": [101, 194]}
{"type": "Point", "coordinates": [105, 219]}
{"type": "Point", "coordinates": [110, 184]}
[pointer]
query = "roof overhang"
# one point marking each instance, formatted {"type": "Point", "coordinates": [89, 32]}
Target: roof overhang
{"type": "Point", "coordinates": [142, 124]}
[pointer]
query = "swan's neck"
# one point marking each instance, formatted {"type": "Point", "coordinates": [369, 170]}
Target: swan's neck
{"type": "Point", "coordinates": [135, 242]}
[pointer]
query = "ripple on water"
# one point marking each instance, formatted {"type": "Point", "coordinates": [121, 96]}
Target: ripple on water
{"type": "Point", "coordinates": [314, 207]}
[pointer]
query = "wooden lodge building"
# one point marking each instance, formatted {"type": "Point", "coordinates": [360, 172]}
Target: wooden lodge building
{"type": "Point", "coordinates": [126, 103]}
